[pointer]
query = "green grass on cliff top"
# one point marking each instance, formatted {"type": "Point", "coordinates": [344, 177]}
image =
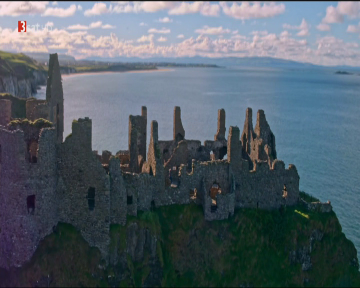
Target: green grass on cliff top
{"type": "Point", "coordinates": [18, 64]}
{"type": "Point", "coordinates": [251, 248]}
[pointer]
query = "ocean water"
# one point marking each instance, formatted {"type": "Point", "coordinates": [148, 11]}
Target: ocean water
{"type": "Point", "coordinates": [314, 114]}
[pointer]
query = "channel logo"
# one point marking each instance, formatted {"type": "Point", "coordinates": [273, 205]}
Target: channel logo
{"type": "Point", "coordinates": [21, 26]}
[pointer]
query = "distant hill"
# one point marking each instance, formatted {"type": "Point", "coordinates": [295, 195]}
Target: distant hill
{"type": "Point", "coordinates": [226, 61]}
{"type": "Point", "coordinates": [44, 57]}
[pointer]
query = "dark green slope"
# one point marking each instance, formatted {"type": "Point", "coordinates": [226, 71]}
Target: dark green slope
{"type": "Point", "coordinates": [253, 248]}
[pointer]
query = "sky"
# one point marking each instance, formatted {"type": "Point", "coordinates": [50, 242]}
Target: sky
{"type": "Point", "coordinates": [324, 33]}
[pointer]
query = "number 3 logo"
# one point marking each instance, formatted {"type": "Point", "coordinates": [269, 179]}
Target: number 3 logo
{"type": "Point", "coordinates": [21, 26]}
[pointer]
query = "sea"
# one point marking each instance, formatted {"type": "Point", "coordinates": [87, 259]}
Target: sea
{"type": "Point", "coordinates": [314, 114]}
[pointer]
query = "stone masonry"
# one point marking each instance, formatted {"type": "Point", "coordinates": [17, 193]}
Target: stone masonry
{"type": "Point", "coordinates": [45, 180]}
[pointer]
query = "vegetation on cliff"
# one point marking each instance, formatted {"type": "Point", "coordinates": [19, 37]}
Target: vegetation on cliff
{"type": "Point", "coordinates": [19, 65]}
{"type": "Point", "coordinates": [252, 248]}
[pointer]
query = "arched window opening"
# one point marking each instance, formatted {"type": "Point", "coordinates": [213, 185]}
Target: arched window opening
{"type": "Point", "coordinates": [193, 194]}
{"type": "Point", "coordinates": [153, 205]}
{"type": "Point", "coordinates": [30, 201]}
{"type": "Point", "coordinates": [214, 191]}
{"type": "Point", "coordinates": [129, 200]}
{"type": "Point", "coordinates": [91, 198]}
{"type": "Point", "coordinates": [33, 147]}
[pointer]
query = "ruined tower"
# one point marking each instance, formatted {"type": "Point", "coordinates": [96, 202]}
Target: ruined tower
{"type": "Point", "coordinates": [248, 132]}
{"type": "Point", "coordinates": [137, 140]}
{"type": "Point", "coordinates": [55, 97]}
{"type": "Point", "coordinates": [220, 134]}
{"type": "Point", "coordinates": [179, 132]}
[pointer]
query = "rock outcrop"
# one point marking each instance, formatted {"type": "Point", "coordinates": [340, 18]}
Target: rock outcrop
{"type": "Point", "coordinates": [22, 88]}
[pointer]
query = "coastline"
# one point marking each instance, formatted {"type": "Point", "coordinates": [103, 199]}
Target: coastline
{"type": "Point", "coordinates": [107, 72]}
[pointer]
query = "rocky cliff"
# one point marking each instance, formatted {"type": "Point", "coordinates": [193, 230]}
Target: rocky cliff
{"type": "Point", "coordinates": [22, 87]}
{"type": "Point", "coordinates": [175, 246]}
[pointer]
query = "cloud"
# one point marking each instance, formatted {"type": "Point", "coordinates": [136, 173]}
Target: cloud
{"type": "Point", "coordinates": [332, 16]}
{"type": "Point", "coordinates": [162, 39]}
{"type": "Point", "coordinates": [337, 14]}
{"type": "Point", "coordinates": [98, 9]}
{"type": "Point", "coordinates": [49, 24]}
{"type": "Point", "coordinates": [55, 3]}
{"type": "Point", "coordinates": [95, 24]}
{"type": "Point", "coordinates": [92, 25]}
{"type": "Point", "coordinates": [146, 38]}
{"type": "Point", "coordinates": [162, 31]}
{"type": "Point", "coordinates": [60, 12]}
{"type": "Point", "coordinates": [22, 8]}
{"type": "Point", "coordinates": [353, 28]}
{"type": "Point", "coordinates": [303, 27]}
{"type": "Point", "coordinates": [180, 36]}
{"type": "Point", "coordinates": [173, 8]}
{"type": "Point", "coordinates": [143, 24]}
{"type": "Point", "coordinates": [165, 20]}
{"type": "Point", "coordinates": [79, 7]}
{"type": "Point", "coordinates": [328, 50]}
{"type": "Point", "coordinates": [212, 30]}
{"type": "Point", "coordinates": [252, 11]}
{"type": "Point", "coordinates": [108, 26]}
{"type": "Point", "coordinates": [204, 8]}
{"type": "Point", "coordinates": [323, 27]}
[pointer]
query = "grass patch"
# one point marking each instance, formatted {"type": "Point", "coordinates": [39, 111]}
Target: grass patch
{"type": "Point", "coordinates": [302, 214]}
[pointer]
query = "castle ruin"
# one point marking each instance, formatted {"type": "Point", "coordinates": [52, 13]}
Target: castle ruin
{"type": "Point", "coordinates": [45, 180]}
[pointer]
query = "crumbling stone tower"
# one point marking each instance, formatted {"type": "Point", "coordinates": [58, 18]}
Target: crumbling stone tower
{"type": "Point", "coordinates": [55, 97]}
{"type": "Point", "coordinates": [137, 140]}
{"type": "Point", "coordinates": [179, 132]}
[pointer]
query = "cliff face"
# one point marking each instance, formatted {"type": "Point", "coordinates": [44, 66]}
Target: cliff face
{"type": "Point", "coordinates": [22, 88]}
{"type": "Point", "coordinates": [175, 246]}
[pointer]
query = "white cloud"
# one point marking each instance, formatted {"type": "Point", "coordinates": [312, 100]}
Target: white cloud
{"type": "Point", "coordinates": [165, 20]}
{"type": "Point", "coordinates": [328, 50]}
{"type": "Point", "coordinates": [323, 27]}
{"type": "Point", "coordinates": [285, 34]}
{"type": "Point", "coordinates": [13, 8]}
{"type": "Point", "coordinates": [49, 24]}
{"type": "Point", "coordinates": [204, 8]}
{"type": "Point", "coordinates": [95, 24]}
{"type": "Point", "coordinates": [162, 39]}
{"type": "Point", "coordinates": [161, 31]}
{"type": "Point", "coordinates": [98, 9]}
{"type": "Point", "coordinates": [212, 30]}
{"type": "Point", "coordinates": [303, 27]}
{"type": "Point", "coordinates": [180, 36]}
{"type": "Point", "coordinates": [92, 25]}
{"type": "Point", "coordinates": [235, 32]}
{"type": "Point", "coordinates": [332, 16]}
{"type": "Point", "coordinates": [108, 26]}
{"type": "Point", "coordinates": [55, 3]}
{"type": "Point", "coordinates": [252, 11]}
{"type": "Point", "coordinates": [60, 12]}
{"type": "Point", "coordinates": [336, 14]}
{"type": "Point", "coordinates": [353, 28]}
{"type": "Point", "coordinates": [173, 8]}
{"type": "Point", "coordinates": [146, 38]}
{"type": "Point", "coordinates": [79, 7]}
{"type": "Point", "coordinates": [143, 24]}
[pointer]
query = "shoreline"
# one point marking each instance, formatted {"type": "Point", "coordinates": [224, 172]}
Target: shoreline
{"type": "Point", "coordinates": [108, 72]}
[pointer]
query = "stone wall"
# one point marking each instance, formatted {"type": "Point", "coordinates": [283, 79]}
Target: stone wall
{"type": "Point", "coordinates": [5, 111]}
{"type": "Point", "coordinates": [85, 187]}
{"type": "Point", "coordinates": [28, 200]}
